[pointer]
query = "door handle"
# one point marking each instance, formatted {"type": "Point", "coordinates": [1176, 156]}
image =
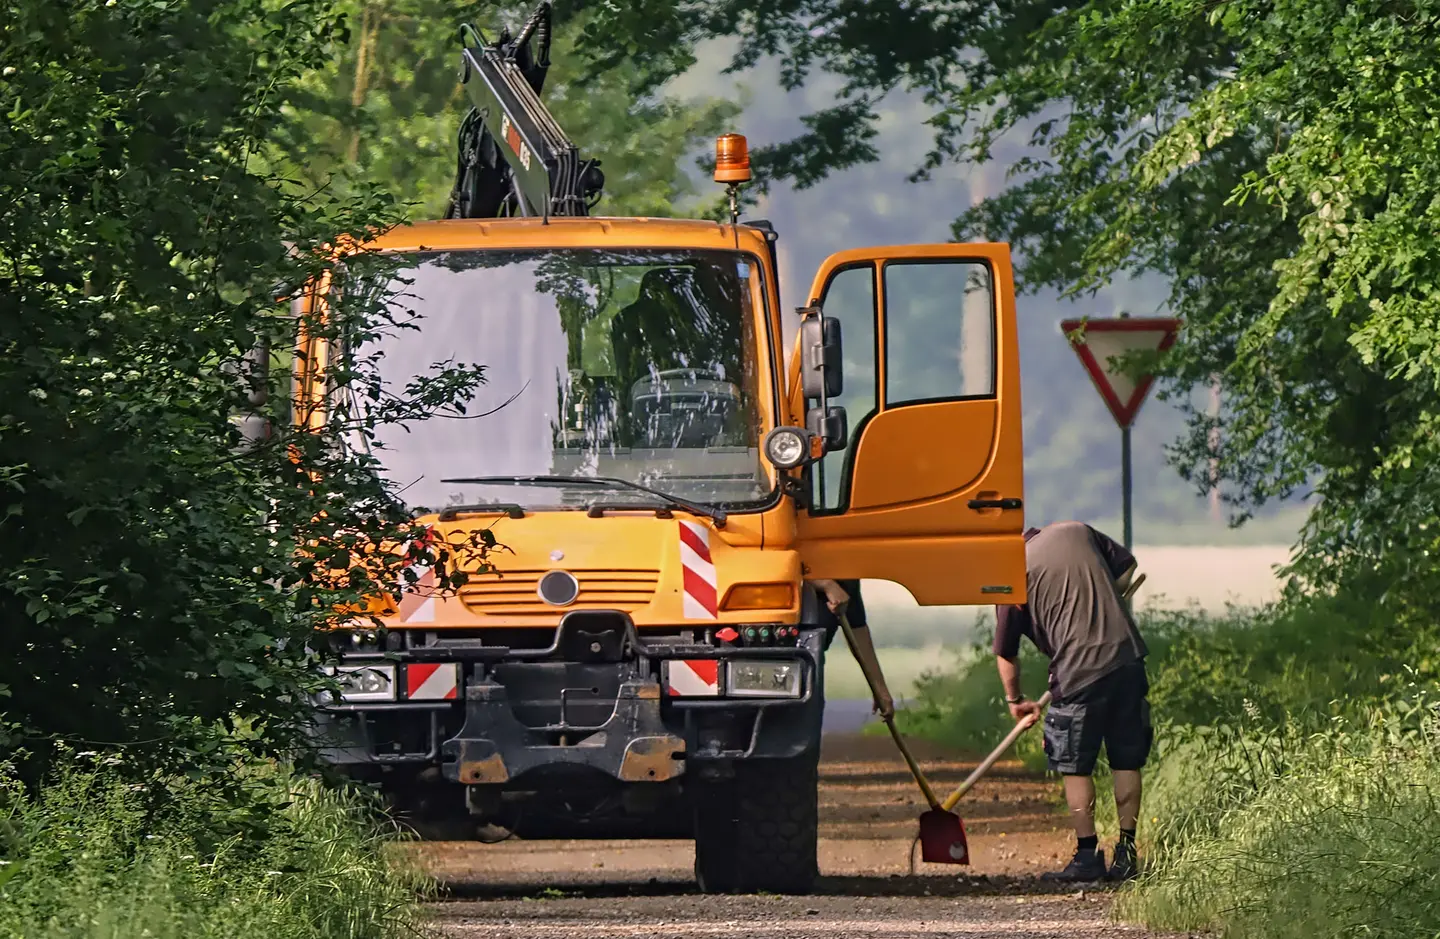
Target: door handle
{"type": "Point", "coordinates": [1010, 503]}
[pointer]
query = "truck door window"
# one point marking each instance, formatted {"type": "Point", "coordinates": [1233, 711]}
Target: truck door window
{"type": "Point", "coordinates": [850, 298]}
{"type": "Point", "coordinates": [939, 332]}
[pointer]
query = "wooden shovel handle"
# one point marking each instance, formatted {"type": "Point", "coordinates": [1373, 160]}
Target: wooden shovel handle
{"type": "Point", "coordinates": [925, 787]}
{"type": "Point", "coordinates": [870, 680]}
{"type": "Point", "coordinates": [1020, 727]}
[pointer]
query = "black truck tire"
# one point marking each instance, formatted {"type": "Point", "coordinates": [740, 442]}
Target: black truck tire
{"type": "Point", "coordinates": [760, 830]}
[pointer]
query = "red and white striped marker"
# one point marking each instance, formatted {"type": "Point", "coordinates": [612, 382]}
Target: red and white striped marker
{"type": "Point", "coordinates": [692, 678]}
{"type": "Point", "coordinates": [431, 681]}
{"type": "Point", "coordinates": [701, 600]}
{"type": "Point", "coordinates": [417, 601]}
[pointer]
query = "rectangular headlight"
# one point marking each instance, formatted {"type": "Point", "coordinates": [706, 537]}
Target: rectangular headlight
{"type": "Point", "coordinates": [763, 679]}
{"type": "Point", "coordinates": [366, 682]}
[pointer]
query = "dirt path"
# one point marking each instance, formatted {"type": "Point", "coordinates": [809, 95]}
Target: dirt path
{"type": "Point", "coordinates": [868, 806]}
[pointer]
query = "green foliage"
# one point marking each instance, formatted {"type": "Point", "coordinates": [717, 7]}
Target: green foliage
{"type": "Point", "coordinates": [95, 854]}
{"type": "Point", "coordinates": [152, 577]}
{"type": "Point", "coordinates": [387, 106]}
{"type": "Point", "coordinates": [1247, 165]}
{"type": "Point", "coordinates": [1326, 658]}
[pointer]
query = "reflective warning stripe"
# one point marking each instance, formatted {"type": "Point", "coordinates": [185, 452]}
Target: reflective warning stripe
{"type": "Point", "coordinates": [432, 682]}
{"type": "Point", "coordinates": [700, 599]}
{"type": "Point", "coordinates": [692, 678]}
{"type": "Point", "coordinates": [417, 601]}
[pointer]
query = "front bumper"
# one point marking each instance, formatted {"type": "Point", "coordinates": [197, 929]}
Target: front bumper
{"type": "Point", "coordinates": [493, 746]}
{"type": "Point", "coordinates": [530, 714]}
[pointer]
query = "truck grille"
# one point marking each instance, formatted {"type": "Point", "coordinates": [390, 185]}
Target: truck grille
{"type": "Point", "coordinates": [513, 593]}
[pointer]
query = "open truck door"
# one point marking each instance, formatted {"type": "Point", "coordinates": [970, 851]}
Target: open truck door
{"type": "Point", "coordinates": [924, 485]}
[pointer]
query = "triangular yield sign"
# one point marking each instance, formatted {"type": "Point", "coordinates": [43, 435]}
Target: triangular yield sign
{"type": "Point", "coordinates": [1103, 341]}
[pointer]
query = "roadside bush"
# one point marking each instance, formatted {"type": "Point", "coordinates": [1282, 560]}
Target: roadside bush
{"type": "Point", "coordinates": [274, 854]}
{"type": "Point", "coordinates": [1322, 657]}
{"type": "Point", "coordinates": [962, 704]}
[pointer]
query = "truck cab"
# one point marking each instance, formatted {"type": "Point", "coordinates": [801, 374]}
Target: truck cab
{"type": "Point", "coordinates": [640, 655]}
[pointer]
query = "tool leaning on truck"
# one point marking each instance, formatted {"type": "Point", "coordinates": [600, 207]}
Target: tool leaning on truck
{"type": "Point", "coordinates": [642, 660]}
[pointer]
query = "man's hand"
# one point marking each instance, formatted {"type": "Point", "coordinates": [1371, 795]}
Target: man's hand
{"type": "Point", "coordinates": [884, 704]}
{"type": "Point", "coordinates": [1027, 712]}
{"type": "Point", "coordinates": [835, 596]}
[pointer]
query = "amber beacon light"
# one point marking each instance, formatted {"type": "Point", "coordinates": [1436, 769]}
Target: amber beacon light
{"type": "Point", "coordinates": [732, 159]}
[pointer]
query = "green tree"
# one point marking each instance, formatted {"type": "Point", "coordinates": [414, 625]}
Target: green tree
{"type": "Point", "coordinates": [1272, 162]}
{"type": "Point", "coordinates": [387, 107]}
{"type": "Point", "coordinates": [156, 585]}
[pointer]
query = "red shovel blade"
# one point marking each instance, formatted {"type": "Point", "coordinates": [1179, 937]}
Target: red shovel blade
{"type": "Point", "coordinates": [942, 838]}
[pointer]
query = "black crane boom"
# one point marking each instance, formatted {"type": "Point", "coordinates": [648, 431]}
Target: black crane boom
{"type": "Point", "coordinates": [514, 159]}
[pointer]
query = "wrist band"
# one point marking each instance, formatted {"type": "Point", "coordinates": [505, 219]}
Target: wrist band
{"type": "Point", "coordinates": [1015, 700]}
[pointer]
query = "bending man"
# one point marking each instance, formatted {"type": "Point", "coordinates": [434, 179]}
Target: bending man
{"type": "Point", "coordinates": [1076, 617]}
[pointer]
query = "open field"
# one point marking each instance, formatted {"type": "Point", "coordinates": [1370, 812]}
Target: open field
{"type": "Point", "coordinates": [1176, 576]}
{"type": "Point", "coordinates": [843, 679]}
{"type": "Point", "coordinates": [912, 638]}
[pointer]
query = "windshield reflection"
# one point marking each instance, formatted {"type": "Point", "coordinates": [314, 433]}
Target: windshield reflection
{"type": "Point", "coordinates": [634, 364]}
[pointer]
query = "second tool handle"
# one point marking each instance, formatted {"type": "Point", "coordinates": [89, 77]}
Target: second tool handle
{"type": "Point", "coordinates": [989, 761]}
{"type": "Point", "coordinates": [920, 780]}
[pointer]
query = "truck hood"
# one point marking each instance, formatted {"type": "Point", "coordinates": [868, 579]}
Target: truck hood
{"type": "Point", "coordinates": [661, 571]}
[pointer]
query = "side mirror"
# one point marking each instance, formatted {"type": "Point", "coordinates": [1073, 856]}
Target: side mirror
{"type": "Point", "coordinates": [821, 355]}
{"type": "Point", "coordinates": [831, 425]}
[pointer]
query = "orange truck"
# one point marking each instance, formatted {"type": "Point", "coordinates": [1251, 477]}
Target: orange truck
{"type": "Point", "coordinates": [644, 658]}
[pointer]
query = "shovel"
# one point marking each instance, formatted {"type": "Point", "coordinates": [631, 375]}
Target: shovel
{"type": "Point", "coordinates": [942, 834]}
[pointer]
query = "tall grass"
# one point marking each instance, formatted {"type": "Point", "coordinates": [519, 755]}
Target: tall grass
{"type": "Point", "coordinates": [93, 855]}
{"type": "Point", "coordinates": [1281, 833]}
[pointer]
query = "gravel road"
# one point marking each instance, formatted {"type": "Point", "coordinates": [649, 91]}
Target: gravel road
{"type": "Point", "coordinates": [868, 807]}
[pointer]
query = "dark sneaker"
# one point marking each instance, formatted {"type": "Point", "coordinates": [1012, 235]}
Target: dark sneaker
{"type": "Point", "coordinates": [1084, 867]}
{"type": "Point", "coordinates": [1126, 864]}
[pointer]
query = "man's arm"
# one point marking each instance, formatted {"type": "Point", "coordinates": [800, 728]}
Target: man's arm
{"type": "Point", "coordinates": [1012, 622]}
{"type": "Point", "coordinates": [1120, 561]}
{"type": "Point", "coordinates": [864, 649]}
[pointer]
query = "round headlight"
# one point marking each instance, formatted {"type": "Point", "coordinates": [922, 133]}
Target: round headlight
{"type": "Point", "coordinates": [786, 447]}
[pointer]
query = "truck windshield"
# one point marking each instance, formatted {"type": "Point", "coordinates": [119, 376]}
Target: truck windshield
{"type": "Point", "coordinates": [631, 364]}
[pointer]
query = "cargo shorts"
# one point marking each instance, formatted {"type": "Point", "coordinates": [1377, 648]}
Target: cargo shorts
{"type": "Point", "coordinates": [1114, 711]}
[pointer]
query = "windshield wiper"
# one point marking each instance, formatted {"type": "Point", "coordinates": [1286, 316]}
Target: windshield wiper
{"type": "Point", "coordinates": [714, 513]}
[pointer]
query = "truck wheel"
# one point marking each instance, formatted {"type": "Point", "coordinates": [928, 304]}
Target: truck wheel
{"type": "Point", "coordinates": [759, 832]}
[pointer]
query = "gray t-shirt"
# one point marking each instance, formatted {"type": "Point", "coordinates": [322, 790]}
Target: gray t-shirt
{"type": "Point", "coordinates": [1074, 613]}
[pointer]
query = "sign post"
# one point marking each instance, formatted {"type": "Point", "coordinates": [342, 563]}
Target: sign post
{"type": "Point", "coordinates": [1100, 343]}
